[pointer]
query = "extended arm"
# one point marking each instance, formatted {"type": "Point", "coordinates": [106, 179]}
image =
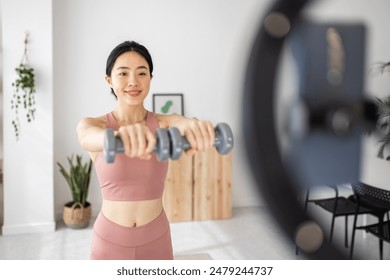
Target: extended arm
{"type": "Point", "coordinates": [138, 140]}
{"type": "Point", "coordinates": [200, 134]}
{"type": "Point", "coordinates": [90, 133]}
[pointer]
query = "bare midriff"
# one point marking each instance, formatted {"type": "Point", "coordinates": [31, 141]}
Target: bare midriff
{"type": "Point", "coordinates": [132, 213]}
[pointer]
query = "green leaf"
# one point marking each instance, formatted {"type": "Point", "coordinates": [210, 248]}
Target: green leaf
{"type": "Point", "coordinates": [78, 178]}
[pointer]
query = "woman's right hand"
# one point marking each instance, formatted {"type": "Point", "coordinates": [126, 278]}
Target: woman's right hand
{"type": "Point", "coordinates": [138, 140]}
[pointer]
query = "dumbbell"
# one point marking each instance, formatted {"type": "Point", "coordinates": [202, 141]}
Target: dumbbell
{"type": "Point", "coordinates": [170, 143]}
{"type": "Point", "coordinates": [223, 143]}
{"type": "Point", "coordinates": [114, 145]}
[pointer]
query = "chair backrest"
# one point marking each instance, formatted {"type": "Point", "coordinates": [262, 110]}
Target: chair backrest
{"type": "Point", "coordinates": [371, 196]}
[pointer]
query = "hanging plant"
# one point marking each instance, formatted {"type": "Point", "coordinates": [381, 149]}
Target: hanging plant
{"type": "Point", "coordinates": [24, 92]}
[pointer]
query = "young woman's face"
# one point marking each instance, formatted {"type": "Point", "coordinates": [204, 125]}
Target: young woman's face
{"type": "Point", "coordinates": [130, 78]}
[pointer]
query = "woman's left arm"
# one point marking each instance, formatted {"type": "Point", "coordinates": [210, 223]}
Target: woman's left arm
{"type": "Point", "coordinates": [200, 134]}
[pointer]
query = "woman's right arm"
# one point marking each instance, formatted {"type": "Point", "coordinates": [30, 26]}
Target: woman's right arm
{"type": "Point", "coordinates": [138, 140]}
{"type": "Point", "coordinates": [90, 133]}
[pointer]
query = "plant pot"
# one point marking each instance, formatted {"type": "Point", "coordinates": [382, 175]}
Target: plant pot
{"type": "Point", "coordinates": [77, 216]}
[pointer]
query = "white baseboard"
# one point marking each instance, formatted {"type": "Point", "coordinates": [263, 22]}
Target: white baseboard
{"type": "Point", "coordinates": [28, 228]}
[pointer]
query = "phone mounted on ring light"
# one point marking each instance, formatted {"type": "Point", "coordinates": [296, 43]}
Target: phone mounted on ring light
{"type": "Point", "coordinates": [326, 120]}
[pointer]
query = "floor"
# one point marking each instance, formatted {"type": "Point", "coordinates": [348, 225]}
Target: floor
{"type": "Point", "coordinates": [249, 235]}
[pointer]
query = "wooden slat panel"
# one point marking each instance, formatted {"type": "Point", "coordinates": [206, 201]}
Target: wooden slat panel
{"type": "Point", "coordinates": [204, 186]}
{"type": "Point", "coordinates": [177, 198]}
{"type": "Point", "coordinates": [212, 186]}
{"type": "Point", "coordinates": [225, 195]}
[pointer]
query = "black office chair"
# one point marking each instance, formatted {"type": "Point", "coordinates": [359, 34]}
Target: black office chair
{"type": "Point", "coordinates": [378, 200]}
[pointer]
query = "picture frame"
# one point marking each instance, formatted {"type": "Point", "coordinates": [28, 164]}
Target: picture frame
{"type": "Point", "coordinates": [168, 103]}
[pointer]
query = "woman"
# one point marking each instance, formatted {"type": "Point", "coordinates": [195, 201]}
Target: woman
{"type": "Point", "coordinates": [132, 223]}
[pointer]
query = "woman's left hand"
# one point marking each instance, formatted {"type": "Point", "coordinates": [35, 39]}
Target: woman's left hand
{"type": "Point", "coordinates": [200, 135]}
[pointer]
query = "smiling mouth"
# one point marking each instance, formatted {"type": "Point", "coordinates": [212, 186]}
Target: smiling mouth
{"type": "Point", "coordinates": [133, 93]}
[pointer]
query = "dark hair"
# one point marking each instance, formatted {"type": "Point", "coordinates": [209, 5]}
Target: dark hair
{"type": "Point", "coordinates": [128, 46]}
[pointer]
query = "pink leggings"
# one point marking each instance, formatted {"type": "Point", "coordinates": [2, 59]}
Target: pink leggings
{"type": "Point", "coordinates": [111, 241]}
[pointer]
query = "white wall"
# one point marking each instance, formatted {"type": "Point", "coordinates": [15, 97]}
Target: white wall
{"type": "Point", "coordinates": [28, 163]}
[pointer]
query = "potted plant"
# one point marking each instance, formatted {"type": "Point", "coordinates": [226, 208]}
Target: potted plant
{"type": "Point", "coordinates": [77, 213]}
{"type": "Point", "coordinates": [383, 109]}
{"type": "Point", "coordinates": [383, 106]}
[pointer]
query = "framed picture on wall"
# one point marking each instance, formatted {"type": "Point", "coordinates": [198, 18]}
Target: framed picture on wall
{"type": "Point", "coordinates": [168, 103]}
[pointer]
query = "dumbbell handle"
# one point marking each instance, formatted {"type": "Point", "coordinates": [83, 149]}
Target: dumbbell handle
{"type": "Point", "coordinates": [119, 149]}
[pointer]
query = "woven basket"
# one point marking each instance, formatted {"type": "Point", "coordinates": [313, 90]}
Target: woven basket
{"type": "Point", "coordinates": [75, 215]}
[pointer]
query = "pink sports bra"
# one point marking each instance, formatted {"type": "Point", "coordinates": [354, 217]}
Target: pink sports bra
{"type": "Point", "coordinates": [131, 179]}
